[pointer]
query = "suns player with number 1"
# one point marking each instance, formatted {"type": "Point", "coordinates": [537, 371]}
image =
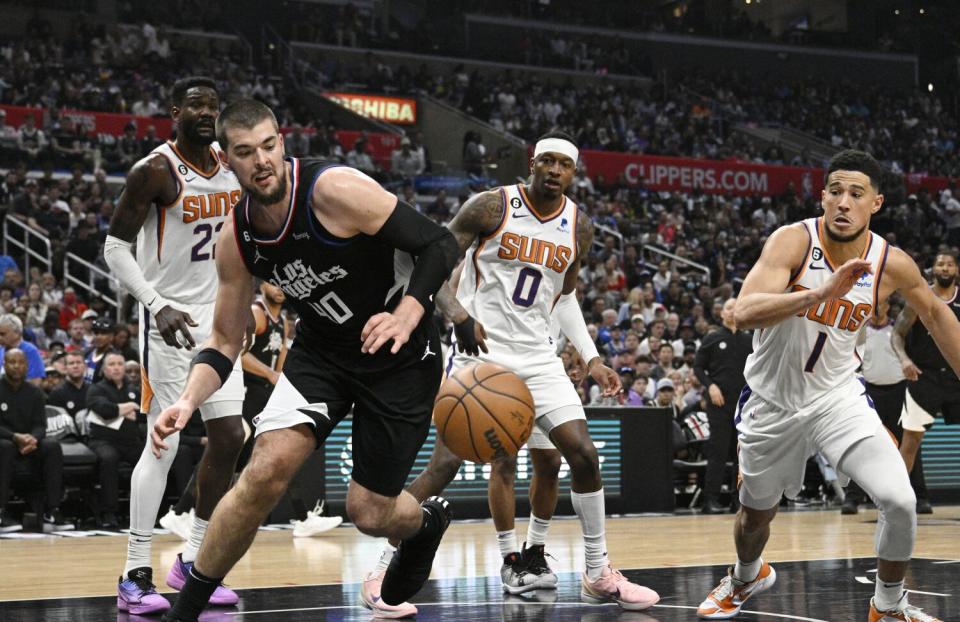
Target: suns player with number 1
{"type": "Point", "coordinates": [174, 204]}
{"type": "Point", "coordinates": [523, 246]}
{"type": "Point", "coordinates": [809, 295]}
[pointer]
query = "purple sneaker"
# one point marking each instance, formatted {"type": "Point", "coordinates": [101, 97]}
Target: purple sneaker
{"type": "Point", "coordinates": [177, 577]}
{"type": "Point", "coordinates": [138, 595]}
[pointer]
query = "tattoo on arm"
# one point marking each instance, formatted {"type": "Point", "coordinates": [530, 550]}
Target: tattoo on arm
{"type": "Point", "coordinates": [479, 216]}
{"type": "Point", "coordinates": [584, 242]}
{"type": "Point", "coordinates": [901, 327]}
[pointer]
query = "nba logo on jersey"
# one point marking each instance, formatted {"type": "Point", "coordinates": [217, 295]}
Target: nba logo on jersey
{"type": "Point", "coordinates": [564, 226]}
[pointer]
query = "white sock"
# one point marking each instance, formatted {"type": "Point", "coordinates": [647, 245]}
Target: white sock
{"type": "Point", "coordinates": [887, 595]}
{"type": "Point", "coordinates": [537, 531]}
{"type": "Point", "coordinates": [138, 550]}
{"type": "Point", "coordinates": [192, 547]}
{"type": "Point", "coordinates": [147, 484]}
{"type": "Point", "coordinates": [747, 571]}
{"type": "Point", "coordinates": [591, 509]}
{"type": "Point", "coordinates": [385, 558]}
{"type": "Point", "coordinates": [507, 541]}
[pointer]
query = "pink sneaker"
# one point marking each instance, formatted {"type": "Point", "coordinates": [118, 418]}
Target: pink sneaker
{"type": "Point", "coordinates": [370, 598]}
{"type": "Point", "coordinates": [138, 595]}
{"type": "Point", "coordinates": [614, 587]}
{"type": "Point", "coordinates": [177, 577]}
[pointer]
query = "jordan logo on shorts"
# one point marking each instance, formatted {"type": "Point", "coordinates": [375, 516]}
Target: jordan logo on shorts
{"type": "Point", "coordinates": [427, 352]}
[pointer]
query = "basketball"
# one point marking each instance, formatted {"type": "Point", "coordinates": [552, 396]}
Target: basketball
{"type": "Point", "coordinates": [484, 412]}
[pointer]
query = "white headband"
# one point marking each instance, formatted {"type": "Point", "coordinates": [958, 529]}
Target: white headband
{"type": "Point", "coordinates": [557, 145]}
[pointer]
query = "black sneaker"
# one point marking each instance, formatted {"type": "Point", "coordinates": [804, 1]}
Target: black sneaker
{"type": "Point", "coordinates": [850, 505]}
{"type": "Point", "coordinates": [924, 507]}
{"type": "Point", "coordinates": [534, 561]}
{"type": "Point", "coordinates": [54, 521]}
{"type": "Point", "coordinates": [411, 564]}
{"type": "Point", "coordinates": [8, 524]}
{"type": "Point", "coordinates": [109, 522]}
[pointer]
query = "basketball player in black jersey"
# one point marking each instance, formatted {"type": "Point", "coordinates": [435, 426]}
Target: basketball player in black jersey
{"type": "Point", "coordinates": [933, 386]}
{"type": "Point", "coordinates": [263, 362]}
{"type": "Point", "coordinates": [340, 247]}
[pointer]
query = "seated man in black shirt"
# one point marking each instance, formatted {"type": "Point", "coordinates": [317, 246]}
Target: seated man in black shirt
{"type": "Point", "coordinates": [71, 394]}
{"type": "Point", "coordinates": [114, 436]}
{"type": "Point", "coordinates": [23, 425]}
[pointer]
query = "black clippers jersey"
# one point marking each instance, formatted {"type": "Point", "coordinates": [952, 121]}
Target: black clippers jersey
{"type": "Point", "coordinates": [921, 347]}
{"type": "Point", "coordinates": [267, 345]}
{"type": "Point", "coordinates": [335, 284]}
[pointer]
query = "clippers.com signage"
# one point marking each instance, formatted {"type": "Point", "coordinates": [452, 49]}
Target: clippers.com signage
{"type": "Point", "coordinates": [710, 176]}
{"type": "Point", "coordinates": [399, 110]}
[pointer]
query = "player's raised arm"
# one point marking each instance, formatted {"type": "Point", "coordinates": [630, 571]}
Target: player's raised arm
{"type": "Point", "coordinates": [763, 299]}
{"type": "Point", "coordinates": [149, 182]}
{"type": "Point", "coordinates": [213, 364]}
{"type": "Point", "coordinates": [351, 203]}
{"type": "Point", "coordinates": [933, 312]}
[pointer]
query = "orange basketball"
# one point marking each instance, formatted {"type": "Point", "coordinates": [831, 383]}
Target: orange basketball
{"type": "Point", "coordinates": [484, 412]}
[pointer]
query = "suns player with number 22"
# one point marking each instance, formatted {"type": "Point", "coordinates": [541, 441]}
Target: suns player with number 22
{"type": "Point", "coordinates": [810, 293]}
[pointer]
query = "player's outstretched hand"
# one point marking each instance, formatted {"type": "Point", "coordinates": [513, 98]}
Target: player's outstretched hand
{"type": "Point", "coordinates": [170, 322]}
{"type": "Point", "coordinates": [471, 336]}
{"type": "Point", "coordinates": [843, 280]}
{"type": "Point", "coordinates": [608, 379]}
{"type": "Point", "coordinates": [170, 421]}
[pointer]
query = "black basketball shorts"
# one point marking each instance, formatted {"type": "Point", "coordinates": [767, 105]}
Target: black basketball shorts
{"type": "Point", "coordinates": [935, 392]}
{"type": "Point", "coordinates": [392, 410]}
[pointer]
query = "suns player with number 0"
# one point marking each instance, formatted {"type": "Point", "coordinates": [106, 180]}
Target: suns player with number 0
{"type": "Point", "coordinates": [523, 246]}
{"type": "Point", "coordinates": [813, 289]}
{"type": "Point", "coordinates": [174, 204]}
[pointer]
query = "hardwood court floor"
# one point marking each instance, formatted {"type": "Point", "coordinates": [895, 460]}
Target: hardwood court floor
{"type": "Point", "coordinates": [80, 567]}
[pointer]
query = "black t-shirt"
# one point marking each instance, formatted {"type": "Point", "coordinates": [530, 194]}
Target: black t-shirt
{"type": "Point", "coordinates": [721, 359]}
{"type": "Point", "coordinates": [22, 411]}
{"type": "Point", "coordinates": [66, 395]}
{"type": "Point", "coordinates": [334, 284]}
{"type": "Point", "coordinates": [104, 398]}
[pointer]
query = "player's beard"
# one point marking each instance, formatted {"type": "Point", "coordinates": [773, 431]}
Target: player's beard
{"type": "Point", "coordinates": [271, 197]}
{"type": "Point", "coordinates": [196, 138]}
{"type": "Point", "coordinates": [836, 237]}
{"type": "Point", "coordinates": [944, 280]}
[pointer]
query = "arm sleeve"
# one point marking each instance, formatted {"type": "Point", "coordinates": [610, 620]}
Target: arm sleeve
{"type": "Point", "coordinates": [434, 248]}
{"type": "Point", "coordinates": [38, 416]}
{"type": "Point", "coordinates": [6, 433]}
{"type": "Point", "coordinates": [702, 360]}
{"type": "Point", "coordinates": [99, 402]}
{"type": "Point", "coordinates": [570, 318]}
{"type": "Point", "coordinates": [116, 253]}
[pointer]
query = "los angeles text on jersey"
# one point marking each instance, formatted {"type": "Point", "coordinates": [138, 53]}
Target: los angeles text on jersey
{"type": "Point", "coordinates": [299, 281]}
{"type": "Point", "coordinates": [535, 251]}
{"type": "Point", "coordinates": [838, 312]}
{"type": "Point", "coordinates": [213, 205]}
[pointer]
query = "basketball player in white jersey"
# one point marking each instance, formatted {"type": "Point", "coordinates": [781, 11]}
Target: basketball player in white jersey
{"type": "Point", "coordinates": [174, 204]}
{"type": "Point", "coordinates": [524, 244]}
{"type": "Point", "coordinates": [813, 289]}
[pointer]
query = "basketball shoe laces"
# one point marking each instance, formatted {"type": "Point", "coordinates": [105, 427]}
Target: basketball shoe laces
{"type": "Point", "coordinates": [914, 614]}
{"type": "Point", "coordinates": [728, 587]}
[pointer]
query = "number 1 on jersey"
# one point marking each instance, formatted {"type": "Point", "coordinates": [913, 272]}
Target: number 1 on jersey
{"type": "Point", "coordinates": [817, 351]}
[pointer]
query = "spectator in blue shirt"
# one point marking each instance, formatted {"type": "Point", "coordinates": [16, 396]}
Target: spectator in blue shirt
{"type": "Point", "coordinates": [11, 336]}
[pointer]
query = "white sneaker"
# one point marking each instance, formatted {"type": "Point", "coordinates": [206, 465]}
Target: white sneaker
{"type": "Point", "coordinates": [314, 524]}
{"type": "Point", "coordinates": [180, 524]}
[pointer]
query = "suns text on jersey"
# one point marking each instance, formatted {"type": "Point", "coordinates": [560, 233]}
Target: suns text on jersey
{"type": "Point", "coordinates": [838, 312]}
{"type": "Point", "coordinates": [535, 251]}
{"type": "Point", "coordinates": [212, 205]}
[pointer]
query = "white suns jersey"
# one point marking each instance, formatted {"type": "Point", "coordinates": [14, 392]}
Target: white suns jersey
{"type": "Point", "coordinates": [176, 246]}
{"type": "Point", "coordinates": [513, 277]}
{"type": "Point", "coordinates": [804, 357]}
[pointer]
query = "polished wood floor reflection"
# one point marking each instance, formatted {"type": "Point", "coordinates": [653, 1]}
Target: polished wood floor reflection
{"type": "Point", "coordinates": [681, 556]}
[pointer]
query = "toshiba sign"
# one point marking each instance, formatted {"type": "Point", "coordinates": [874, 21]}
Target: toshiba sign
{"type": "Point", "coordinates": [398, 110]}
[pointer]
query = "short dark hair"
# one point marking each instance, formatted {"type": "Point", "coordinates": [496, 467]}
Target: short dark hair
{"type": "Point", "coordinates": [856, 160]}
{"type": "Point", "coordinates": [945, 253]}
{"type": "Point", "coordinates": [560, 135]}
{"type": "Point", "coordinates": [181, 86]}
{"type": "Point", "coordinates": [245, 113]}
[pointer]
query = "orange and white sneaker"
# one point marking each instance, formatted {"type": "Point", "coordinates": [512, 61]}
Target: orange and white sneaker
{"type": "Point", "coordinates": [903, 612]}
{"type": "Point", "coordinates": [612, 586]}
{"type": "Point", "coordinates": [725, 601]}
{"type": "Point", "coordinates": [370, 598]}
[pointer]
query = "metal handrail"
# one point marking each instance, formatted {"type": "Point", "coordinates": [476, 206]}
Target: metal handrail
{"type": "Point", "coordinates": [678, 259]}
{"type": "Point", "coordinates": [93, 272]}
{"type": "Point", "coordinates": [25, 245]}
{"type": "Point", "coordinates": [598, 240]}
